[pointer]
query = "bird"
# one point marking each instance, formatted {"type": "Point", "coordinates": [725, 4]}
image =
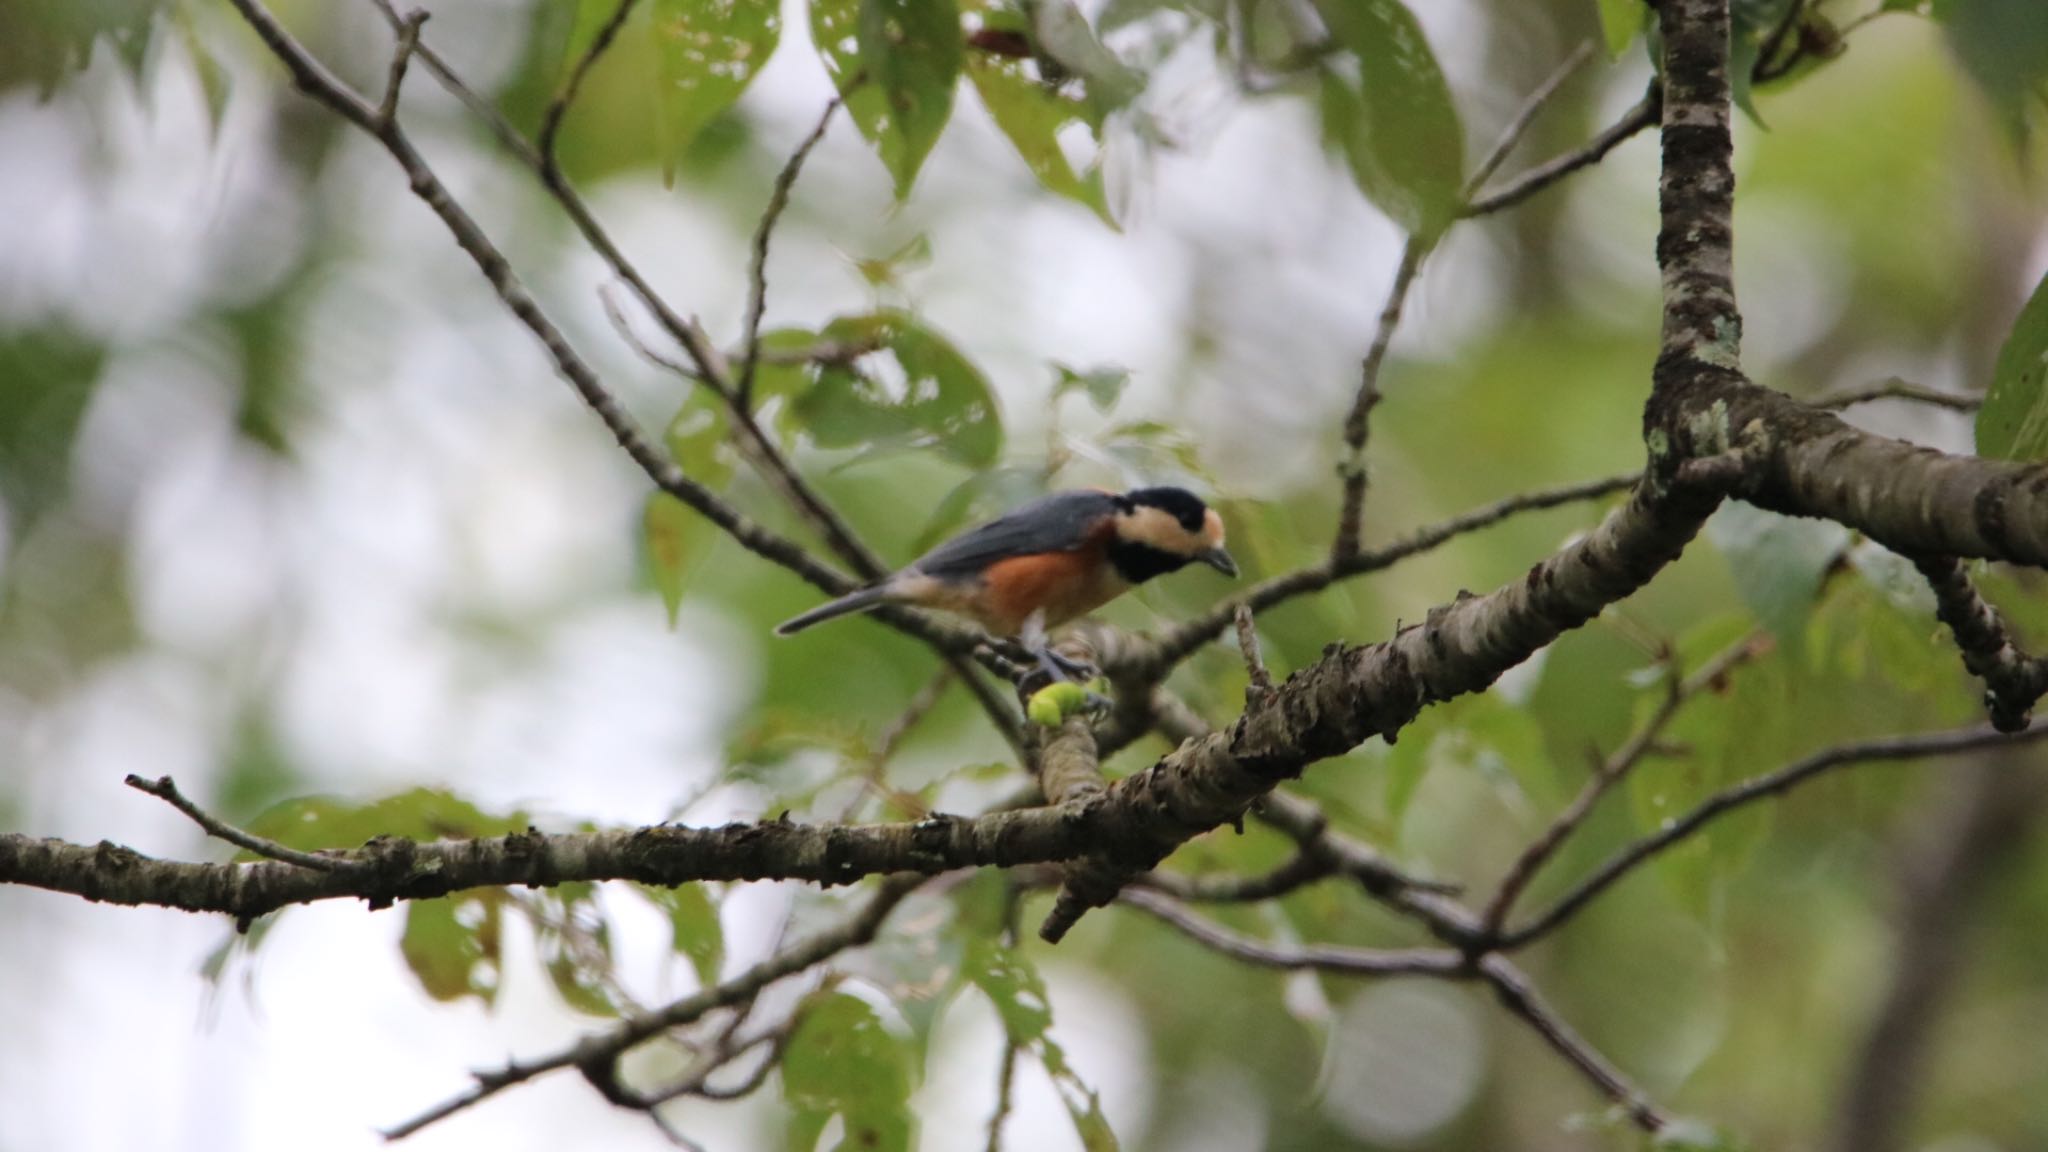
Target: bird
{"type": "Point", "coordinates": [1047, 562]}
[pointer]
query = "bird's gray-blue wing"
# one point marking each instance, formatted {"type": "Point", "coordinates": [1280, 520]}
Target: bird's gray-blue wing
{"type": "Point", "coordinates": [1060, 522]}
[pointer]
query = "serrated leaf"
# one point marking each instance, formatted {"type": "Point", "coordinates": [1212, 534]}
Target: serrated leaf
{"type": "Point", "coordinates": [1397, 125]}
{"type": "Point", "coordinates": [895, 62]}
{"type": "Point", "coordinates": [934, 397]}
{"type": "Point", "coordinates": [1777, 562]}
{"type": "Point", "coordinates": [693, 919]}
{"type": "Point", "coordinates": [842, 1061]}
{"type": "Point", "coordinates": [452, 945]}
{"type": "Point", "coordinates": [706, 52]}
{"type": "Point", "coordinates": [1621, 21]}
{"type": "Point", "coordinates": [2013, 424]}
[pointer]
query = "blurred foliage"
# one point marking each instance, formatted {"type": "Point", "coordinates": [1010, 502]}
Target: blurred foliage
{"type": "Point", "coordinates": [1889, 190]}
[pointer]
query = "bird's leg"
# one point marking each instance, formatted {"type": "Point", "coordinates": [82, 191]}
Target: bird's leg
{"type": "Point", "coordinates": [1055, 665]}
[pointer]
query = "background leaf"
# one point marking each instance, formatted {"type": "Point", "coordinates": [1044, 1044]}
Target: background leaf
{"type": "Point", "coordinates": [841, 1061]}
{"type": "Point", "coordinates": [706, 52]}
{"type": "Point", "coordinates": [2013, 424]}
{"type": "Point", "coordinates": [920, 392]}
{"type": "Point", "coordinates": [1396, 124]}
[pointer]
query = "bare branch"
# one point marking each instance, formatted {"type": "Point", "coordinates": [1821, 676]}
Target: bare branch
{"type": "Point", "coordinates": [163, 788]}
{"type": "Point", "coordinates": [603, 1049]}
{"type": "Point", "coordinates": [1345, 961]}
{"type": "Point", "coordinates": [1181, 641]}
{"type": "Point", "coordinates": [1297, 871]}
{"type": "Point", "coordinates": [1894, 388]}
{"type": "Point", "coordinates": [757, 273]}
{"type": "Point", "coordinates": [1357, 425]}
{"type": "Point", "coordinates": [1526, 115]}
{"type": "Point", "coordinates": [401, 58]}
{"type": "Point", "coordinates": [1520, 188]}
{"type": "Point", "coordinates": [1519, 997]}
{"type": "Point", "coordinates": [1748, 792]}
{"type": "Point", "coordinates": [1261, 684]}
{"type": "Point", "coordinates": [1610, 772]}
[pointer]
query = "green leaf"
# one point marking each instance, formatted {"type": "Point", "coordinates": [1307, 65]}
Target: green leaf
{"type": "Point", "coordinates": [1032, 115]}
{"type": "Point", "coordinates": [706, 53]}
{"type": "Point", "coordinates": [1777, 563]}
{"type": "Point", "coordinates": [314, 822]}
{"type": "Point", "coordinates": [1397, 125]}
{"type": "Point", "coordinates": [589, 18]}
{"type": "Point", "coordinates": [926, 394]}
{"type": "Point", "coordinates": [694, 919]}
{"type": "Point", "coordinates": [453, 945]}
{"type": "Point", "coordinates": [841, 1061]}
{"type": "Point", "coordinates": [895, 62]}
{"type": "Point", "coordinates": [2013, 424]}
{"type": "Point", "coordinates": [676, 539]}
{"type": "Point", "coordinates": [1621, 21]}
{"type": "Point", "coordinates": [1102, 385]}
{"type": "Point", "coordinates": [2003, 45]}
{"type": "Point", "coordinates": [1014, 987]}
{"type": "Point", "coordinates": [1737, 729]}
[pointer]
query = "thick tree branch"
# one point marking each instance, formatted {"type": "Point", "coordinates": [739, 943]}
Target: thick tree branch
{"type": "Point", "coordinates": [2013, 680]}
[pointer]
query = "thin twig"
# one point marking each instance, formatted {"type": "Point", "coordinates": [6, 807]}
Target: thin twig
{"type": "Point", "coordinates": [1610, 772]}
{"type": "Point", "coordinates": [1261, 684]}
{"type": "Point", "coordinates": [1526, 115]}
{"type": "Point", "coordinates": [1520, 188]}
{"type": "Point", "coordinates": [1320, 958]}
{"type": "Point", "coordinates": [1749, 791]}
{"type": "Point", "coordinates": [166, 790]}
{"type": "Point", "coordinates": [1297, 871]}
{"type": "Point", "coordinates": [558, 108]}
{"type": "Point", "coordinates": [1894, 388]}
{"type": "Point", "coordinates": [1357, 424]}
{"type": "Point", "coordinates": [757, 272]}
{"type": "Point", "coordinates": [604, 1048]}
{"type": "Point", "coordinates": [1181, 641]}
{"type": "Point", "coordinates": [1519, 998]}
{"type": "Point", "coordinates": [401, 58]}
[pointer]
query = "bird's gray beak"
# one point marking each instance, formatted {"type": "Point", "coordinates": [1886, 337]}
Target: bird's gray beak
{"type": "Point", "coordinates": [1218, 559]}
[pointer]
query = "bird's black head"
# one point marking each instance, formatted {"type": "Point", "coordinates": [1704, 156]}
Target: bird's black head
{"type": "Point", "coordinates": [1161, 530]}
{"type": "Point", "coordinates": [1179, 503]}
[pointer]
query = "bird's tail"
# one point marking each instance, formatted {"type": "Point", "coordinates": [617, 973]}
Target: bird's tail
{"type": "Point", "coordinates": [846, 605]}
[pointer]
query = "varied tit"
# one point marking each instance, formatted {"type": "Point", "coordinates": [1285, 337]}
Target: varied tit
{"type": "Point", "coordinates": [1048, 562]}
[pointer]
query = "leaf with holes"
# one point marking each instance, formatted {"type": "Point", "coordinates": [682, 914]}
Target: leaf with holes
{"type": "Point", "coordinates": [1396, 125]}
{"type": "Point", "coordinates": [1014, 987]}
{"type": "Point", "coordinates": [453, 945]}
{"type": "Point", "coordinates": [915, 390]}
{"type": "Point", "coordinates": [895, 62]}
{"type": "Point", "coordinates": [2013, 424]}
{"type": "Point", "coordinates": [842, 1061]}
{"type": "Point", "coordinates": [706, 53]}
{"type": "Point", "coordinates": [693, 919]}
